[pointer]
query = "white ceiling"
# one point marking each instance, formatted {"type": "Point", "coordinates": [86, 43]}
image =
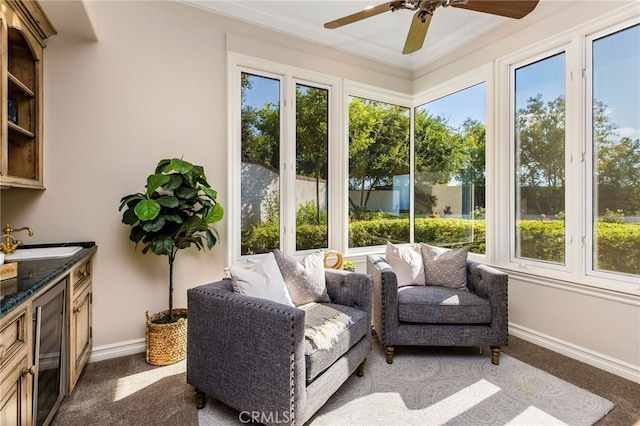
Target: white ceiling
{"type": "Point", "coordinates": [380, 37]}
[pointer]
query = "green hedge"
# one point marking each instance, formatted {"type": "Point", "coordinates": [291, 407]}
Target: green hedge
{"type": "Point", "coordinates": [541, 240]}
{"type": "Point", "coordinates": [618, 246]}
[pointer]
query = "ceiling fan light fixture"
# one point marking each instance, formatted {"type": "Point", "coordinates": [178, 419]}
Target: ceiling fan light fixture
{"type": "Point", "coordinates": [424, 11]}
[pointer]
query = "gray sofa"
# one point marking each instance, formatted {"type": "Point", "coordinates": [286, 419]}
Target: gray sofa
{"type": "Point", "coordinates": [252, 354]}
{"type": "Point", "coordinates": [417, 316]}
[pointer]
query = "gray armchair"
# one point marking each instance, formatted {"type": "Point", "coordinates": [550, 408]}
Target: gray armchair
{"type": "Point", "coordinates": [439, 316]}
{"type": "Point", "coordinates": [252, 354]}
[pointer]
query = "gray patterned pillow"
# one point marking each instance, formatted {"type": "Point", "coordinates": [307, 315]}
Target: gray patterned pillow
{"type": "Point", "coordinates": [305, 280]}
{"type": "Point", "coordinates": [444, 267]}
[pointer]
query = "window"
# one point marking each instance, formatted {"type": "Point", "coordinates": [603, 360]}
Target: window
{"type": "Point", "coordinates": [280, 166]}
{"type": "Point", "coordinates": [312, 165]}
{"type": "Point", "coordinates": [539, 134]}
{"type": "Point", "coordinates": [379, 166]}
{"type": "Point", "coordinates": [260, 163]}
{"type": "Point", "coordinates": [615, 141]}
{"type": "Point", "coordinates": [449, 164]}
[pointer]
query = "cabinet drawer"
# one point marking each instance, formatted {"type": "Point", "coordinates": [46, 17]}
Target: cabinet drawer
{"type": "Point", "coordinates": [80, 275]}
{"type": "Point", "coordinates": [13, 337]}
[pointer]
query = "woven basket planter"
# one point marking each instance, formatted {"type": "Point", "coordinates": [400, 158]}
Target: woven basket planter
{"type": "Point", "coordinates": [166, 343]}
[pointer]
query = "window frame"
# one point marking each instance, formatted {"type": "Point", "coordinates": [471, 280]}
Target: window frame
{"type": "Point", "coordinates": [588, 241]}
{"type": "Point", "coordinates": [289, 76]}
{"type": "Point", "coordinates": [577, 157]}
{"type": "Point", "coordinates": [482, 74]}
{"type": "Point", "coordinates": [365, 91]}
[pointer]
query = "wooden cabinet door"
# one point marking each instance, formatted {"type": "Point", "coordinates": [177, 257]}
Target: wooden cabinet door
{"type": "Point", "coordinates": [15, 395]}
{"type": "Point", "coordinates": [81, 332]}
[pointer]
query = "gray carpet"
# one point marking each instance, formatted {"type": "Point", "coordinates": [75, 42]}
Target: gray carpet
{"type": "Point", "coordinates": [127, 391]}
{"type": "Point", "coordinates": [455, 386]}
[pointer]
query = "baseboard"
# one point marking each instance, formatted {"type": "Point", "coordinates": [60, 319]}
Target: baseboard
{"type": "Point", "coordinates": [115, 350]}
{"type": "Point", "coordinates": [603, 362]}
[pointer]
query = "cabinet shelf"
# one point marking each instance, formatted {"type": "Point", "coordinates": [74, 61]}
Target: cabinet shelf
{"type": "Point", "coordinates": [20, 130]}
{"type": "Point", "coordinates": [13, 80]}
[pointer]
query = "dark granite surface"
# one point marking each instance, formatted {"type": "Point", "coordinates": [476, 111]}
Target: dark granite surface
{"type": "Point", "coordinates": [34, 275]}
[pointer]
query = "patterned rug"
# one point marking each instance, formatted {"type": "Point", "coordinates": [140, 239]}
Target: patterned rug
{"type": "Point", "coordinates": [446, 386]}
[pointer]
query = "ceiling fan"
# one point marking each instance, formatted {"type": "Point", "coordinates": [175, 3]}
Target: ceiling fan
{"type": "Point", "coordinates": [424, 11]}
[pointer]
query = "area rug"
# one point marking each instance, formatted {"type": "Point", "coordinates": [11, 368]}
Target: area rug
{"type": "Point", "coordinates": [446, 386]}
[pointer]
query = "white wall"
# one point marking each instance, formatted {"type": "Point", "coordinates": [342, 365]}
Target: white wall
{"type": "Point", "coordinates": [154, 86]}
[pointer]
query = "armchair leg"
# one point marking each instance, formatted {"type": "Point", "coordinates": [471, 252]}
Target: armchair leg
{"type": "Point", "coordinates": [360, 371]}
{"type": "Point", "coordinates": [495, 355]}
{"type": "Point", "coordinates": [388, 350]}
{"type": "Point", "coordinates": [201, 399]}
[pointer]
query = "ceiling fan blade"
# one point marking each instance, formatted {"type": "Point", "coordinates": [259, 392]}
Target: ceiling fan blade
{"type": "Point", "coordinates": [510, 8]}
{"type": "Point", "coordinates": [417, 33]}
{"type": "Point", "coordinates": [367, 13]}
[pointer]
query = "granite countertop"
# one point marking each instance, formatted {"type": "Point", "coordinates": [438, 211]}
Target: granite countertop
{"type": "Point", "coordinates": [34, 275]}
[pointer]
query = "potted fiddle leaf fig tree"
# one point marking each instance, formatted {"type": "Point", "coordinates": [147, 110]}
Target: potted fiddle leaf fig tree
{"type": "Point", "coordinates": [177, 210]}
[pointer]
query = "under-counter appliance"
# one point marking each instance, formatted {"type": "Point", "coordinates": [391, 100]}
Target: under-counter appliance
{"type": "Point", "coordinates": [48, 353]}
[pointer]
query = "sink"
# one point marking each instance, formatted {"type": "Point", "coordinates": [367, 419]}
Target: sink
{"type": "Point", "coordinates": [43, 253]}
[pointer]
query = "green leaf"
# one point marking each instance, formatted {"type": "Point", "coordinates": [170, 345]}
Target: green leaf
{"type": "Point", "coordinates": [174, 217]}
{"type": "Point", "coordinates": [216, 214]}
{"type": "Point", "coordinates": [154, 182]}
{"type": "Point", "coordinates": [164, 166]}
{"type": "Point", "coordinates": [136, 234]}
{"type": "Point", "coordinates": [175, 180]}
{"type": "Point", "coordinates": [186, 193]}
{"type": "Point", "coordinates": [181, 166]}
{"type": "Point", "coordinates": [211, 239]}
{"type": "Point", "coordinates": [129, 217]}
{"type": "Point", "coordinates": [162, 245]}
{"type": "Point", "coordinates": [147, 209]}
{"type": "Point", "coordinates": [129, 198]}
{"type": "Point", "coordinates": [210, 192]}
{"type": "Point", "coordinates": [168, 201]}
{"type": "Point", "coordinates": [154, 225]}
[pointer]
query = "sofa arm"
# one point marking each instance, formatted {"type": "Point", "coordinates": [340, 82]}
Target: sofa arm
{"type": "Point", "coordinates": [487, 282]}
{"type": "Point", "coordinates": [237, 345]}
{"type": "Point", "coordinates": [349, 289]}
{"type": "Point", "coordinates": [385, 298]}
{"type": "Point", "coordinates": [492, 285]}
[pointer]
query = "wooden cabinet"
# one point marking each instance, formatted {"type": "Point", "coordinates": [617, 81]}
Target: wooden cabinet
{"type": "Point", "coordinates": [23, 28]}
{"type": "Point", "coordinates": [80, 300]}
{"type": "Point", "coordinates": [17, 343]}
{"type": "Point", "coordinates": [16, 368]}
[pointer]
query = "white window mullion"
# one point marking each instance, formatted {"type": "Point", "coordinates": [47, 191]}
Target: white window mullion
{"type": "Point", "coordinates": [574, 159]}
{"type": "Point", "coordinates": [288, 166]}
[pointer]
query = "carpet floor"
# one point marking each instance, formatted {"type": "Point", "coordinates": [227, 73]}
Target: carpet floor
{"type": "Point", "coordinates": [127, 391]}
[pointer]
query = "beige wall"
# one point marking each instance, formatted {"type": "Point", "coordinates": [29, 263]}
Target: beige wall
{"type": "Point", "coordinates": [154, 86]}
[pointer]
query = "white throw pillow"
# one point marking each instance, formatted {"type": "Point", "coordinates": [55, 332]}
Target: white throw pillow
{"type": "Point", "coordinates": [445, 267]}
{"type": "Point", "coordinates": [264, 280]}
{"type": "Point", "coordinates": [406, 262]}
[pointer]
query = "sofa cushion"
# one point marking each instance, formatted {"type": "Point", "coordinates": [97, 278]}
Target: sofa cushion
{"type": "Point", "coordinates": [441, 305]}
{"type": "Point", "coordinates": [445, 267]}
{"type": "Point", "coordinates": [330, 331]}
{"type": "Point", "coordinates": [305, 280]}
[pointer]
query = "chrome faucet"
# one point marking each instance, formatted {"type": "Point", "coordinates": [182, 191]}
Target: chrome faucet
{"type": "Point", "coordinates": [9, 243]}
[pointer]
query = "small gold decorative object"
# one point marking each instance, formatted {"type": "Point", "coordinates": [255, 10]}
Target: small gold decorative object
{"type": "Point", "coordinates": [338, 262]}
